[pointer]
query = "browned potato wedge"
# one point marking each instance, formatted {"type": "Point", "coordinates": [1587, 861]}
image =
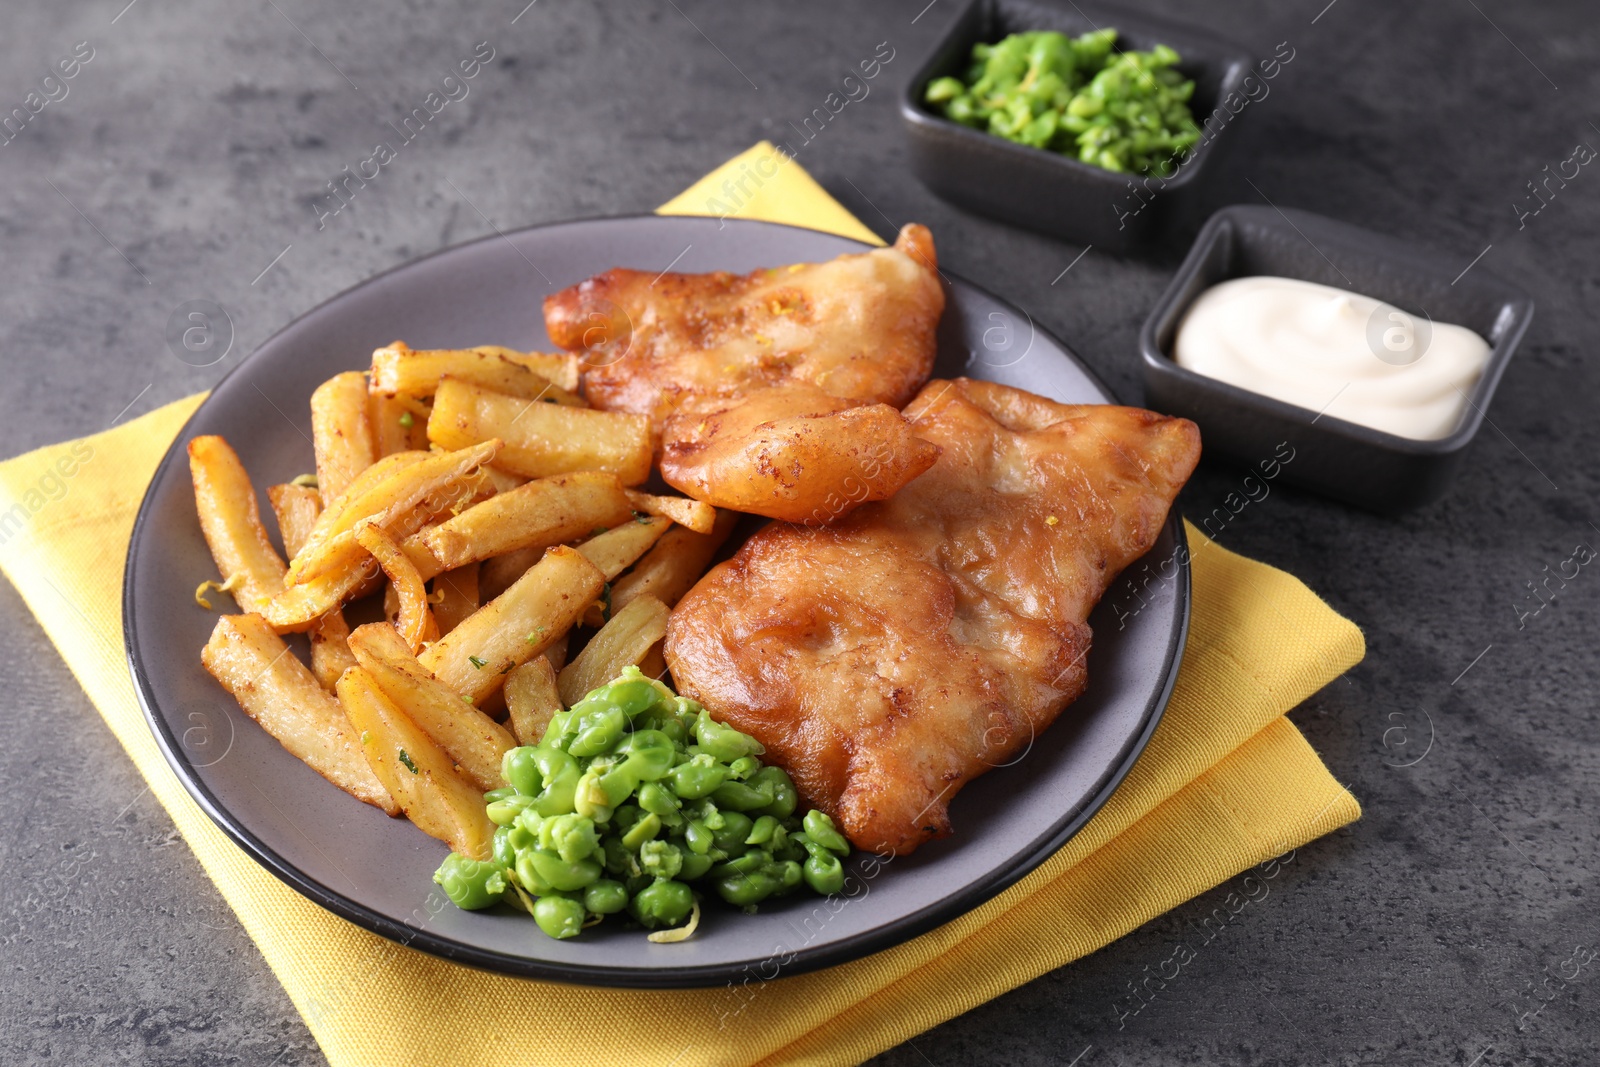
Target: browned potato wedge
{"type": "Point", "coordinates": [436, 481]}
{"type": "Point", "coordinates": [341, 432]}
{"type": "Point", "coordinates": [330, 648]}
{"type": "Point", "coordinates": [231, 523]}
{"type": "Point", "coordinates": [516, 626]}
{"type": "Point", "coordinates": [350, 570]}
{"type": "Point", "coordinates": [695, 514]}
{"type": "Point", "coordinates": [671, 568]}
{"type": "Point", "coordinates": [455, 596]}
{"type": "Point", "coordinates": [420, 774]}
{"type": "Point", "coordinates": [617, 549]}
{"type": "Point", "coordinates": [536, 515]}
{"type": "Point", "coordinates": [532, 697]}
{"type": "Point", "coordinates": [353, 573]}
{"type": "Point", "coordinates": [503, 481]}
{"type": "Point", "coordinates": [275, 689]}
{"type": "Point", "coordinates": [415, 623]}
{"type": "Point", "coordinates": [399, 369]}
{"type": "Point", "coordinates": [564, 369]}
{"type": "Point", "coordinates": [541, 439]}
{"type": "Point", "coordinates": [474, 740]}
{"type": "Point", "coordinates": [557, 652]}
{"type": "Point", "coordinates": [301, 607]}
{"type": "Point", "coordinates": [296, 507]}
{"type": "Point", "coordinates": [471, 490]}
{"type": "Point", "coordinates": [622, 642]}
{"type": "Point", "coordinates": [391, 604]}
{"type": "Point", "coordinates": [380, 471]}
{"type": "Point", "coordinates": [397, 425]}
{"type": "Point", "coordinates": [498, 573]}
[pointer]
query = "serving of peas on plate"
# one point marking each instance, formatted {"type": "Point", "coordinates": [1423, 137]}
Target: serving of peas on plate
{"type": "Point", "coordinates": [1123, 111]}
{"type": "Point", "coordinates": [633, 800]}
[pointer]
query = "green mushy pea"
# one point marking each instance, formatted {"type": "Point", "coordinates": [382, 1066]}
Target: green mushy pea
{"type": "Point", "coordinates": [636, 801]}
{"type": "Point", "coordinates": [1124, 111]}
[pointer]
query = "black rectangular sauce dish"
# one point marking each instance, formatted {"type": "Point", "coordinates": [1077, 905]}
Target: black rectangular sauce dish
{"type": "Point", "coordinates": [1378, 471]}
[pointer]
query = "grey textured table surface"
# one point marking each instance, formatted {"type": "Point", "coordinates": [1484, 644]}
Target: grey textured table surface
{"type": "Point", "coordinates": [183, 164]}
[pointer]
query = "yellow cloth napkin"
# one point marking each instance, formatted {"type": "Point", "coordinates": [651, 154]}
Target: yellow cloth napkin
{"type": "Point", "coordinates": [1226, 783]}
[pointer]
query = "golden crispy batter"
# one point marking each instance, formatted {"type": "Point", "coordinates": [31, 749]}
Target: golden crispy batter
{"type": "Point", "coordinates": [890, 658]}
{"type": "Point", "coordinates": [860, 327]}
{"type": "Point", "coordinates": [795, 453]}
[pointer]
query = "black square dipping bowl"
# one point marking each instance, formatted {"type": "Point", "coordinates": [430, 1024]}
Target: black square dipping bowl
{"type": "Point", "coordinates": [1372, 469]}
{"type": "Point", "coordinates": [1055, 194]}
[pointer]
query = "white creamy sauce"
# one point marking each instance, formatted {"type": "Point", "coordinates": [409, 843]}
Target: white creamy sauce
{"type": "Point", "coordinates": [1331, 351]}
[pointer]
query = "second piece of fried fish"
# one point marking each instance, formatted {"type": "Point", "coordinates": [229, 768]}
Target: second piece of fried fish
{"type": "Point", "coordinates": [859, 327]}
{"type": "Point", "coordinates": [890, 658]}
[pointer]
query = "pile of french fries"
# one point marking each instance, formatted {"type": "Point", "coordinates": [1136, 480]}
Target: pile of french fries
{"type": "Point", "coordinates": [498, 516]}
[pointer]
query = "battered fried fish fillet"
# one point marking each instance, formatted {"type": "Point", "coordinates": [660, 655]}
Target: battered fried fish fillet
{"type": "Point", "coordinates": [794, 453]}
{"type": "Point", "coordinates": [859, 327]}
{"type": "Point", "coordinates": [888, 659]}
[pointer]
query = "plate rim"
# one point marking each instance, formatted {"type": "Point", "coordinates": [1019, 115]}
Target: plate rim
{"type": "Point", "coordinates": [877, 939]}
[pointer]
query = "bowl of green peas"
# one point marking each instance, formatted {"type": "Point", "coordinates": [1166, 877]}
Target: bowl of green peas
{"type": "Point", "coordinates": [1101, 130]}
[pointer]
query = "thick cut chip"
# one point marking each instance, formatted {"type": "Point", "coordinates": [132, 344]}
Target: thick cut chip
{"type": "Point", "coordinates": [302, 607]}
{"type": "Point", "coordinates": [455, 596]}
{"type": "Point", "coordinates": [541, 439]}
{"type": "Point", "coordinates": [399, 424]}
{"type": "Point", "coordinates": [673, 564]}
{"type": "Point", "coordinates": [890, 658]}
{"type": "Point", "coordinates": [434, 795]}
{"type": "Point", "coordinates": [230, 519]}
{"type": "Point", "coordinates": [414, 619]}
{"type": "Point", "coordinates": [472, 739]}
{"type": "Point", "coordinates": [348, 570]}
{"type": "Point", "coordinates": [695, 514]}
{"type": "Point", "coordinates": [623, 642]}
{"type": "Point", "coordinates": [399, 369]}
{"type": "Point", "coordinates": [330, 648]}
{"type": "Point", "coordinates": [498, 573]}
{"type": "Point", "coordinates": [559, 367]}
{"type": "Point", "coordinates": [434, 482]}
{"type": "Point", "coordinates": [534, 515]}
{"type": "Point", "coordinates": [341, 432]}
{"type": "Point", "coordinates": [532, 698]}
{"type": "Point", "coordinates": [296, 507]}
{"type": "Point", "coordinates": [381, 470]}
{"type": "Point", "coordinates": [557, 652]}
{"type": "Point", "coordinates": [277, 691]}
{"type": "Point", "coordinates": [617, 549]}
{"type": "Point", "coordinates": [515, 626]}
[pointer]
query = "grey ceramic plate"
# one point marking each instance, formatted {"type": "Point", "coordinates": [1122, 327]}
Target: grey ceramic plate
{"type": "Point", "coordinates": [376, 871]}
